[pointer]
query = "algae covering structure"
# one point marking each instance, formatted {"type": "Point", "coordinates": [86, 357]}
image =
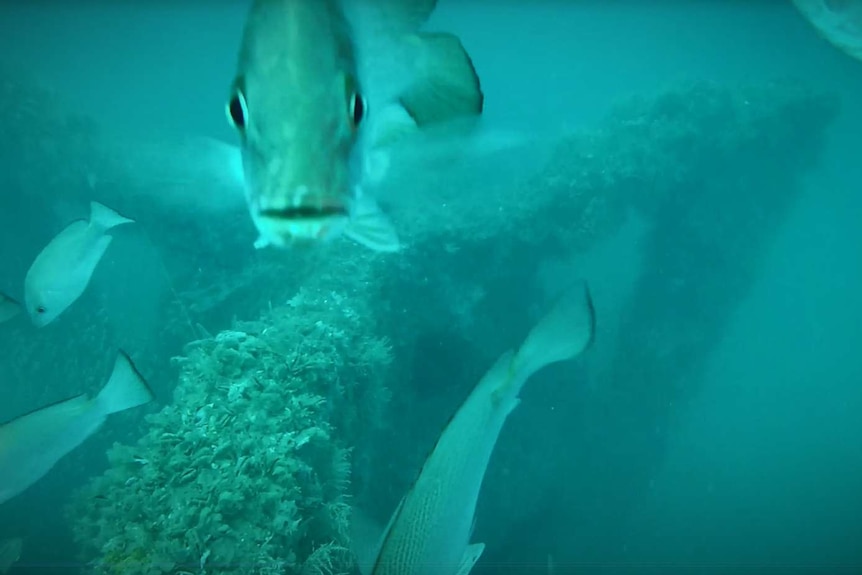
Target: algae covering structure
{"type": "Point", "coordinates": [247, 471]}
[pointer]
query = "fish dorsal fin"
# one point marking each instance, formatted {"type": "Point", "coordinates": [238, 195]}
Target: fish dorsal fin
{"type": "Point", "coordinates": [411, 14]}
{"type": "Point", "coordinates": [471, 556]}
{"type": "Point", "coordinates": [446, 86]}
{"type": "Point", "coordinates": [429, 74]}
{"type": "Point", "coordinates": [370, 227]}
{"type": "Point", "coordinates": [391, 16]}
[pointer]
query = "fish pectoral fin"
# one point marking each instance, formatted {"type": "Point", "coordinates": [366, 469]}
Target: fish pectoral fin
{"type": "Point", "coordinates": [411, 14]}
{"type": "Point", "coordinates": [471, 556]}
{"type": "Point", "coordinates": [376, 167]}
{"type": "Point", "coordinates": [394, 16]}
{"type": "Point", "coordinates": [370, 227]}
{"type": "Point", "coordinates": [392, 123]}
{"type": "Point", "coordinates": [447, 86]}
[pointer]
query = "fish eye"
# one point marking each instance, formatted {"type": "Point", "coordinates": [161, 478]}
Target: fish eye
{"type": "Point", "coordinates": [237, 110]}
{"type": "Point", "coordinates": [41, 309]}
{"type": "Point", "coordinates": [357, 109]}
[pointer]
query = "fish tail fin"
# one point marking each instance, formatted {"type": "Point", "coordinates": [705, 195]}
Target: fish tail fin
{"type": "Point", "coordinates": [104, 218]}
{"type": "Point", "coordinates": [471, 556]}
{"type": "Point", "coordinates": [565, 332]}
{"type": "Point", "coordinates": [125, 389]}
{"type": "Point", "coordinates": [447, 86]}
{"type": "Point", "coordinates": [370, 227]}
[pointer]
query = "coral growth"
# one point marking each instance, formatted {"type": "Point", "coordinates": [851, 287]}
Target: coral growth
{"type": "Point", "coordinates": [247, 470]}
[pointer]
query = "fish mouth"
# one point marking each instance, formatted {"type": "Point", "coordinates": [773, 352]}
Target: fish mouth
{"type": "Point", "coordinates": [285, 226]}
{"type": "Point", "coordinates": [304, 213]}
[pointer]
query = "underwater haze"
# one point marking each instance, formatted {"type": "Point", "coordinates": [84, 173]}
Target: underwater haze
{"type": "Point", "coordinates": [697, 163]}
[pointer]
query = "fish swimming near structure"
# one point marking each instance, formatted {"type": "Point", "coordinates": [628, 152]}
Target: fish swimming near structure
{"type": "Point", "coordinates": [322, 88]}
{"type": "Point", "coordinates": [31, 444]}
{"type": "Point", "coordinates": [838, 21]}
{"type": "Point", "coordinates": [429, 533]}
{"type": "Point", "coordinates": [60, 273]}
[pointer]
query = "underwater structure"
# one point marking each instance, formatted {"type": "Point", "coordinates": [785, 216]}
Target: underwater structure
{"type": "Point", "coordinates": [272, 423]}
{"type": "Point", "coordinates": [248, 468]}
{"type": "Point", "coordinates": [720, 166]}
{"type": "Point", "coordinates": [714, 170]}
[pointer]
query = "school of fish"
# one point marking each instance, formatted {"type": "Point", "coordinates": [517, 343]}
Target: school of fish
{"type": "Point", "coordinates": [324, 92]}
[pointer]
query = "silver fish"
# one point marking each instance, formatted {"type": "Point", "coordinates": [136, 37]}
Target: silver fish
{"type": "Point", "coordinates": [31, 444]}
{"type": "Point", "coordinates": [62, 270]}
{"type": "Point", "coordinates": [9, 308]}
{"type": "Point", "coordinates": [322, 87]}
{"type": "Point", "coordinates": [839, 22]}
{"type": "Point", "coordinates": [430, 530]}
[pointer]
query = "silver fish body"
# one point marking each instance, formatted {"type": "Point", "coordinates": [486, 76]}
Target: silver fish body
{"type": "Point", "coordinates": [429, 532]}
{"type": "Point", "coordinates": [62, 270]}
{"type": "Point", "coordinates": [33, 443]}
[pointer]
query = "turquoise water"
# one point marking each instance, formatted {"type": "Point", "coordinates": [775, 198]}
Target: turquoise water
{"type": "Point", "coordinates": [703, 176]}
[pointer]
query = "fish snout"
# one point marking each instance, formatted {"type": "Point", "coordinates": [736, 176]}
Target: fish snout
{"type": "Point", "coordinates": [303, 213]}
